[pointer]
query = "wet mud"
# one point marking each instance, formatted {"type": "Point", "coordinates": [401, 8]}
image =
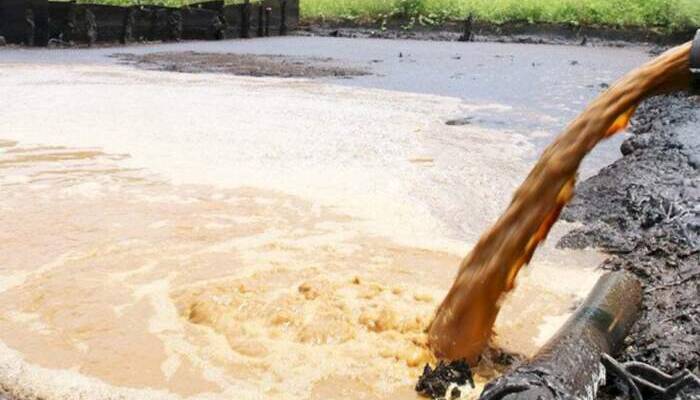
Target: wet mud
{"type": "Point", "coordinates": [644, 210]}
{"type": "Point", "coordinates": [242, 64]}
{"type": "Point", "coordinates": [454, 35]}
{"type": "Point", "coordinates": [508, 32]}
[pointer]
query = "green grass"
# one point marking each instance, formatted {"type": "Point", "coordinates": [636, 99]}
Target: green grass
{"type": "Point", "coordinates": [665, 14]}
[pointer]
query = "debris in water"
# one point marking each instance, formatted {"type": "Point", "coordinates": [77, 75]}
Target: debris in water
{"type": "Point", "coordinates": [459, 121]}
{"type": "Point", "coordinates": [435, 383]}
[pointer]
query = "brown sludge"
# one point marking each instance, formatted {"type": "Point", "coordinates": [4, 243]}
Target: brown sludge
{"type": "Point", "coordinates": [463, 323]}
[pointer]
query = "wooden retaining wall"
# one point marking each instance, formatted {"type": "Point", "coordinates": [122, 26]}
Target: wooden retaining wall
{"type": "Point", "coordinates": [40, 22]}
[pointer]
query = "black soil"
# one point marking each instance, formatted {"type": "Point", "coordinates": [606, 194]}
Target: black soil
{"type": "Point", "coordinates": [242, 64]}
{"type": "Point", "coordinates": [644, 210]}
{"type": "Point", "coordinates": [435, 383]}
{"type": "Point", "coordinates": [448, 379]}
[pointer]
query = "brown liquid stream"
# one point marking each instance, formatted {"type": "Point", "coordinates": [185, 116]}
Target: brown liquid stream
{"type": "Point", "coordinates": [463, 323]}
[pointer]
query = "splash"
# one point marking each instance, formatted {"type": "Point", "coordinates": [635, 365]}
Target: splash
{"type": "Point", "coordinates": [464, 321]}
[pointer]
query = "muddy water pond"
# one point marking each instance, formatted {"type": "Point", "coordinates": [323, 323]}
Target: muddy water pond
{"type": "Point", "coordinates": [210, 236]}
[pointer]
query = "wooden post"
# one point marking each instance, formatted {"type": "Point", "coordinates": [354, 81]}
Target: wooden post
{"type": "Point", "coordinates": [175, 25]}
{"type": "Point", "coordinates": [467, 35]}
{"type": "Point", "coordinates": [283, 17]}
{"type": "Point", "coordinates": [90, 27]}
{"type": "Point", "coordinates": [129, 25]}
{"type": "Point", "coordinates": [40, 16]}
{"type": "Point", "coordinates": [29, 27]}
{"type": "Point", "coordinates": [245, 19]}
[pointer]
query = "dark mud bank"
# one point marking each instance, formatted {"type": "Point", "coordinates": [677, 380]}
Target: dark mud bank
{"type": "Point", "coordinates": [241, 64]}
{"type": "Point", "coordinates": [644, 210]}
{"type": "Point", "coordinates": [509, 32]}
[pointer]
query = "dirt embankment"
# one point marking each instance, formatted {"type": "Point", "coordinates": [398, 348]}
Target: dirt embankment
{"type": "Point", "coordinates": [644, 210]}
{"type": "Point", "coordinates": [509, 32]}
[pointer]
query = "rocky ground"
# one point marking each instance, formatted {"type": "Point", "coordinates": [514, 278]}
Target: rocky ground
{"type": "Point", "coordinates": [644, 210]}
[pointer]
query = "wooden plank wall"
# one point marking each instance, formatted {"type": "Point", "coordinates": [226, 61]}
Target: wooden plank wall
{"type": "Point", "coordinates": [39, 22]}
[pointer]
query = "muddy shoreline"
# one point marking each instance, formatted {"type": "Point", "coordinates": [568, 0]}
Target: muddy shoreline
{"type": "Point", "coordinates": [510, 32]}
{"type": "Point", "coordinates": [644, 210]}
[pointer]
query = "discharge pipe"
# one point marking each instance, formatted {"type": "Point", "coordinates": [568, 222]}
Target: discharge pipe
{"type": "Point", "coordinates": [569, 365]}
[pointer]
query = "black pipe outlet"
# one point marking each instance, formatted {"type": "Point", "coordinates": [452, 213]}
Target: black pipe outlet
{"type": "Point", "coordinates": [569, 365]}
